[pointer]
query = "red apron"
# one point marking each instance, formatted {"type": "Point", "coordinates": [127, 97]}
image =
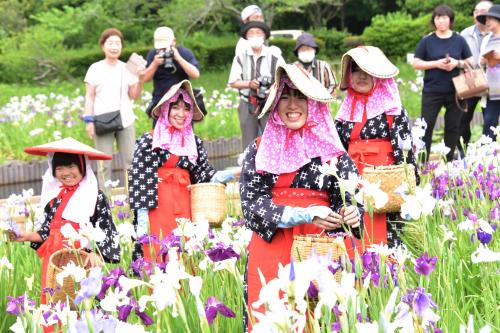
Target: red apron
{"type": "Point", "coordinates": [173, 203]}
{"type": "Point", "coordinates": [55, 241]}
{"type": "Point", "coordinates": [369, 152]}
{"type": "Point", "coordinates": [266, 256]}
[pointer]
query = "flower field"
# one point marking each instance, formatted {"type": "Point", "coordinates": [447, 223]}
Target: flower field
{"type": "Point", "coordinates": [46, 116]}
{"type": "Point", "coordinates": [445, 278]}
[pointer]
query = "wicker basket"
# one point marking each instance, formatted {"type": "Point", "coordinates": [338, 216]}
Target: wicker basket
{"type": "Point", "coordinates": [303, 246]}
{"type": "Point", "coordinates": [233, 199]}
{"type": "Point", "coordinates": [390, 177]}
{"type": "Point", "coordinates": [57, 261]}
{"type": "Point", "coordinates": [208, 201]}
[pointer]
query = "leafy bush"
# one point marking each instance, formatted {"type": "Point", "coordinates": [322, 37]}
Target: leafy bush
{"type": "Point", "coordinates": [398, 33]}
{"type": "Point", "coordinates": [334, 40]}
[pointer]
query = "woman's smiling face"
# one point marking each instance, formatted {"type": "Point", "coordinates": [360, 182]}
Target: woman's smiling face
{"type": "Point", "coordinates": [361, 81]}
{"type": "Point", "coordinates": [292, 108]}
{"type": "Point", "coordinates": [178, 114]}
{"type": "Point", "coordinates": [68, 175]}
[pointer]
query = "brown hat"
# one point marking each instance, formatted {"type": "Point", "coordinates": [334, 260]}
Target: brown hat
{"type": "Point", "coordinates": [304, 82]}
{"type": "Point", "coordinates": [186, 85]}
{"type": "Point", "coordinates": [68, 145]}
{"type": "Point", "coordinates": [371, 60]}
{"type": "Point", "coordinates": [255, 24]}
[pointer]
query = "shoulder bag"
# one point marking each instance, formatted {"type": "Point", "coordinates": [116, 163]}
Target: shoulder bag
{"type": "Point", "coordinates": [110, 121]}
{"type": "Point", "coordinates": [471, 82]}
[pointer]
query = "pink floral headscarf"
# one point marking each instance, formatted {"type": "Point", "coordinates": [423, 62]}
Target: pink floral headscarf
{"type": "Point", "coordinates": [283, 150]}
{"type": "Point", "coordinates": [178, 142]}
{"type": "Point", "coordinates": [383, 98]}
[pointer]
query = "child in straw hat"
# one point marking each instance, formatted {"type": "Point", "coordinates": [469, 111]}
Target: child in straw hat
{"type": "Point", "coordinates": [167, 160]}
{"type": "Point", "coordinates": [71, 198]}
{"type": "Point", "coordinates": [282, 194]}
{"type": "Point", "coordinates": [374, 126]}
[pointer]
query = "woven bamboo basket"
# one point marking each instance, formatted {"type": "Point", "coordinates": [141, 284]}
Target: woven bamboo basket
{"type": "Point", "coordinates": [303, 246]}
{"type": "Point", "coordinates": [390, 177]}
{"type": "Point", "coordinates": [233, 199]}
{"type": "Point", "coordinates": [57, 261]}
{"type": "Point", "coordinates": [208, 201]}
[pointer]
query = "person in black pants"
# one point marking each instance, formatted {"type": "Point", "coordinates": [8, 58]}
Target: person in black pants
{"type": "Point", "coordinates": [441, 54]}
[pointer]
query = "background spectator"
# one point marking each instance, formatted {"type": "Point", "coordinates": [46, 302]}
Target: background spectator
{"type": "Point", "coordinates": [252, 73]}
{"type": "Point", "coordinates": [474, 35]}
{"type": "Point", "coordinates": [441, 54]}
{"type": "Point", "coordinates": [306, 50]}
{"type": "Point", "coordinates": [491, 57]}
{"type": "Point", "coordinates": [168, 64]}
{"type": "Point", "coordinates": [110, 87]}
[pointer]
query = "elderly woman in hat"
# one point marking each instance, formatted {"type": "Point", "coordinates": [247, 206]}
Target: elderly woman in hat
{"type": "Point", "coordinates": [491, 57]}
{"type": "Point", "coordinates": [373, 125]}
{"type": "Point", "coordinates": [167, 160]}
{"type": "Point", "coordinates": [306, 50]}
{"type": "Point", "coordinates": [71, 199]}
{"type": "Point", "coordinates": [281, 191]}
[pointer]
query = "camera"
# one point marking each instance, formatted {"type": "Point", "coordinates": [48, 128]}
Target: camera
{"type": "Point", "coordinates": [168, 57]}
{"type": "Point", "coordinates": [264, 85]}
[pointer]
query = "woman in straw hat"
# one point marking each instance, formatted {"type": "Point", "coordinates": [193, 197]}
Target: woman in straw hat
{"type": "Point", "coordinates": [373, 125]}
{"type": "Point", "coordinates": [167, 160]}
{"type": "Point", "coordinates": [71, 198]}
{"type": "Point", "coordinates": [281, 191]}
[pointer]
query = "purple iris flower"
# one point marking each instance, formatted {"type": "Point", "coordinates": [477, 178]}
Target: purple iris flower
{"type": "Point", "coordinates": [483, 236]}
{"type": "Point", "coordinates": [169, 242]}
{"type": "Point", "coordinates": [370, 262]}
{"type": "Point", "coordinates": [425, 265]}
{"type": "Point", "coordinates": [418, 300]}
{"type": "Point", "coordinates": [120, 215]}
{"type": "Point", "coordinates": [50, 291]}
{"type": "Point", "coordinates": [90, 286]}
{"type": "Point", "coordinates": [336, 326]}
{"type": "Point", "coordinates": [99, 322]}
{"type": "Point", "coordinates": [495, 213]}
{"type": "Point", "coordinates": [335, 266]}
{"type": "Point", "coordinates": [139, 266]}
{"type": "Point", "coordinates": [124, 311]}
{"type": "Point", "coordinates": [119, 202]}
{"type": "Point", "coordinates": [213, 307]}
{"type": "Point", "coordinates": [110, 280]}
{"type": "Point", "coordinates": [312, 291]}
{"type": "Point", "coordinates": [15, 305]}
{"type": "Point", "coordinates": [239, 223]}
{"type": "Point", "coordinates": [147, 239]}
{"type": "Point", "coordinates": [146, 320]}
{"type": "Point", "coordinates": [291, 276]}
{"type": "Point", "coordinates": [221, 252]}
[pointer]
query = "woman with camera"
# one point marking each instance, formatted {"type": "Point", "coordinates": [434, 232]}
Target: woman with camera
{"type": "Point", "coordinates": [110, 89]}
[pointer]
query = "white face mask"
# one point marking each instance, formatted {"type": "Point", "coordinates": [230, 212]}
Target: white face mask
{"type": "Point", "coordinates": [256, 42]}
{"type": "Point", "coordinates": [306, 56]}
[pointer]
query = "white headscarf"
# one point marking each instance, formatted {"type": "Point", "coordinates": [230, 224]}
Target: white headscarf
{"type": "Point", "coordinates": [81, 206]}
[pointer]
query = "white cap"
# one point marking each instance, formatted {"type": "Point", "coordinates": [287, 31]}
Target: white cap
{"type": "Point", "coordinates": [249, 10]}
{"type": "Point", "coordinates": [163, 37]}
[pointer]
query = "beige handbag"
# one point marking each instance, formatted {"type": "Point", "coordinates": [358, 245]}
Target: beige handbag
{"type": "Point", "coordinates": [471, 82]}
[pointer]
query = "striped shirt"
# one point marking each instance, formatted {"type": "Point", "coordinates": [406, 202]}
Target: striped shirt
{"type": "Point", "coordinates": [322, 71]}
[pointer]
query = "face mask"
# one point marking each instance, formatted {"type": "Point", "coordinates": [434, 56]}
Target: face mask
{"type": "Point", "coordinates": [256, 42]}
{"type": "Point", "coordinates": [307, 56]}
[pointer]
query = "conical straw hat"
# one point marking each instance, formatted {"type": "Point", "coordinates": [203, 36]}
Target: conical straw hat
{"type": "Point", "coordinates": [186, 85]}
{"type": "Point", "coordinates": [303, 81]}
{"type": "Point", "coordinates": [371, 60]}
{"type": "Point", "coordinates": [68, 145]}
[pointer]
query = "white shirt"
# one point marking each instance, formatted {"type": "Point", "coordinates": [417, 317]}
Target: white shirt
{"type": "Point", "coordinates": [108, 80]}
